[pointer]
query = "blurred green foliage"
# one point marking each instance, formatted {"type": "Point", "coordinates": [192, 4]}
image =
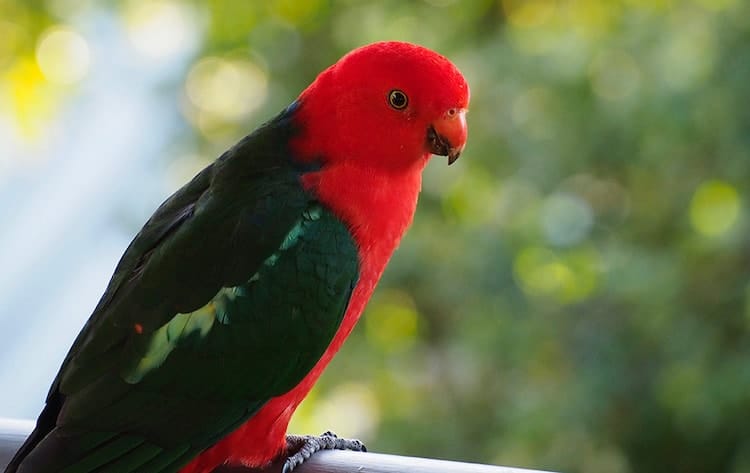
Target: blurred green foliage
{"type": "Point", "coordinates": [574, 293]}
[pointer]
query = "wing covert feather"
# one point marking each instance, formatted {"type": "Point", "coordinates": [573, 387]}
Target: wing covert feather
{"type": "Point", "coordinates": [215, 280]}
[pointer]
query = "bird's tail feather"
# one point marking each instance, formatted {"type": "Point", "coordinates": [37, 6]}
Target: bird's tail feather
{"type": "Point", "coordinates": [99, 452]}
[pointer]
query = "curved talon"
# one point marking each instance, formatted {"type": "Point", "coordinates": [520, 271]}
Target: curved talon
{"type": "Point", "coordinates": [305, 446]}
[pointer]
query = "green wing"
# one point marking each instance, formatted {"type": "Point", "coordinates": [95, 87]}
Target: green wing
{"type": "Point", "coordinates": [227, 297]}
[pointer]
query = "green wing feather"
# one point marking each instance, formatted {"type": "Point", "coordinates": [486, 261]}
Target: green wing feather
{"type": "Point", "coordinates": [227, 297]}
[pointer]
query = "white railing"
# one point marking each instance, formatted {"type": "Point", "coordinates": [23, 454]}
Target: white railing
{"type": "Point", "coordinates": [14, 432]}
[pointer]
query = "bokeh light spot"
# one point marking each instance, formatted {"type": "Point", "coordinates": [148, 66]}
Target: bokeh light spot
{"type": "Point", "coordinates": [614, 75]}
{"type": "Point", "coordinates": [715, 208]}
{"type": "Point", "coordinates": [391, 321]}
{"type": "Point", "coordinates": [353, 408]}
{"type": "Point", "coordinates": [226, 89]}
{"type": "Point", "coordinates": [62, 55]}
{"type": "Point", "coordinates": [471, 198]}
{"type": "Point", "coordinates": [568, 278]}
{"type": "Point", "coordinates": [529, 13]}
{"type": "Point", "coordinates": [566, 219]}
{"type": "Point", "coordinates": [161, 29]}
{"type": "Point", "coordinates": [591, 18]}
{"type": "Point", "coordinates": [31, 97]}
{"type": "Point", "coordinates": [540, 271]}
{"type": "Point", "coordinates": [519, 203]}
{"type": "Point", "coordinates": [686, 59]}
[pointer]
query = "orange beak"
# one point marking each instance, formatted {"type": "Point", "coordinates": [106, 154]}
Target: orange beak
{"type": "Point", "coordinates": [447, 135]}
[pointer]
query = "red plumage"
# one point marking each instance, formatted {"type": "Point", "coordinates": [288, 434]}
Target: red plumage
{"type": "Point", "coordinates": [372, 160]}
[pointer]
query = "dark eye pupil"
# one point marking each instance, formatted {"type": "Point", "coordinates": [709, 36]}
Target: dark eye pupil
{"type": "Point", "coordinates": [398, 99]}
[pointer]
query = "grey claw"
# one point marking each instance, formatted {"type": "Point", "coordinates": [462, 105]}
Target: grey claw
{"type": "Point", "coordinates": [307, 445]}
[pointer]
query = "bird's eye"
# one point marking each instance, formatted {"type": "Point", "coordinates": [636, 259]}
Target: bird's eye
{"type": "Point", "coordinates": [398, 99]}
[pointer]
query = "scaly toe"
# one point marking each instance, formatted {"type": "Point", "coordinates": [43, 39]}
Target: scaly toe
{"type": "Point", "coordinates": [305, 446]}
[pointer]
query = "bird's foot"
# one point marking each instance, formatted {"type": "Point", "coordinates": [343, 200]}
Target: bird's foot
{"type": "Point", "coordinates": [305, 445]}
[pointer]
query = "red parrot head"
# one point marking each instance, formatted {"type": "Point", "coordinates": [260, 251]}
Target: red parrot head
{"type": "Point", "coordinates": [385, 105]}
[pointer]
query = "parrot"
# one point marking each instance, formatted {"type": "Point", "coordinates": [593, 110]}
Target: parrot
{"type": "Point", "coordinates": [233, 297]}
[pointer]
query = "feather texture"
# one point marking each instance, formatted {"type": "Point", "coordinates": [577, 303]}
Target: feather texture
{"type": "Point", "coordinates": [227, 297]}
{"type": "Point", "coordinates": [232, 299]}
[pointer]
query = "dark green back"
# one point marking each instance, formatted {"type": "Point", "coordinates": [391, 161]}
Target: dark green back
{"type": "Point", "coordinates": [227, 297]}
